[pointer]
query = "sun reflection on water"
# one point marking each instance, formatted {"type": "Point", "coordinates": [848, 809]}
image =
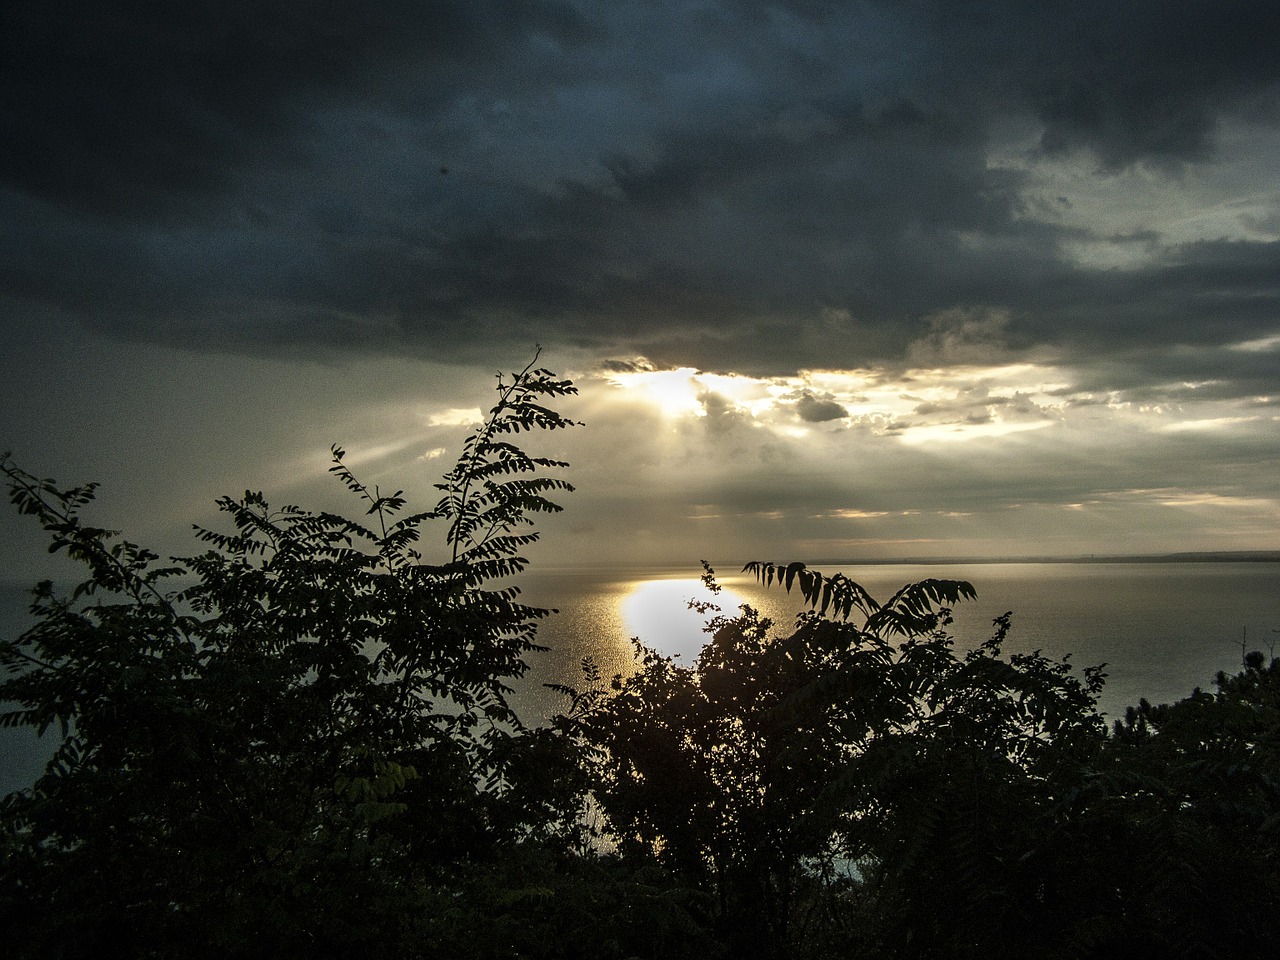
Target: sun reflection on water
{"type": "Point", "coordinates": [657, 611]}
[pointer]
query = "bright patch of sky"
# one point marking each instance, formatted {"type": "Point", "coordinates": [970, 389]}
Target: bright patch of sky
{"type": "Point", "coordinates": [912, 405]}
{"type": "Point", "coordinates": [1012, 458]}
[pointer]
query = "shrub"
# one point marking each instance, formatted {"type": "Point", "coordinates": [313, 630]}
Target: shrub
{"type": "Point", "coordinates": [294, 740]}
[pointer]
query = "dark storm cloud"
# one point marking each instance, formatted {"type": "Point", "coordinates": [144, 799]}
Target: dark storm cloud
{"type": "Point", "coordinates": [1132, 82]}
{"type": "Point", "coordinates": [1174, 374]}
{"type": "Point", "coordinates": [1204, 293]}
{"type": "Point", "coordinates": [735, 185]}
{"type": "Point", "coordinates": [627, 366]}
{"type": "Point", "coordinates": [133, 109]}
{"type": "Point", "coordinates": [1154, 85]}
{"type": "Point", "coordinates": [813, 409]}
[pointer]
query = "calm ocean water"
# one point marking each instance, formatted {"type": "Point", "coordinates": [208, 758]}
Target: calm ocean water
{"type": "Point", "coordinates": [1162, 628]}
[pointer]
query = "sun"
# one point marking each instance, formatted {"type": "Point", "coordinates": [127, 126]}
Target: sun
{"type": "Point", "coordinates": [686, 391]}
{"type": "Point", "coordinates": [657, 612]}
{"type": "Point", "coordinates": [676, 393]}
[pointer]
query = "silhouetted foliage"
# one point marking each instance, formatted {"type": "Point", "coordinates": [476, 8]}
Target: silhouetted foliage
{"type": "Point", "coordinates": [287, 742]}
{"type": "Point", "coordinates": [860, 779]}
{"type": "Point", "coordinates": [849, 789]}
{"type": "Point", "coordinates": [1191, 812]}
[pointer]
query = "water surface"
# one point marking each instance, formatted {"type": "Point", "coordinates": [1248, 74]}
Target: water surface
{"type": "Point", "coordinates": [1161, 628]}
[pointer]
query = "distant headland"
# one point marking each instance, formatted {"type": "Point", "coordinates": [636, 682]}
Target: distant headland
{"type": "Point", "coordinates": [1198, 556]}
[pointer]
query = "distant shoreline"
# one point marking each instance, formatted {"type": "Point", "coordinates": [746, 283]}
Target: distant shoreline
{"type": "Point", "coordinates": [689, 569]}
{"type": "Point", "coordinates": [1206, 556]}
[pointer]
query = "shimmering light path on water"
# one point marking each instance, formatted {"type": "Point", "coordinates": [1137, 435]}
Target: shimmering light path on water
{"type": "Point", "coordinates": [659, 613]}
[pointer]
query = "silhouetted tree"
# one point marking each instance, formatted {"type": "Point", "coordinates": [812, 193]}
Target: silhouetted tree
{"type": "Point", "coordinates": [846, 785]}
{"type": "Point", "coordinates": [1189, 811]}
{"type": "Point", "coordinates": [295, 741]}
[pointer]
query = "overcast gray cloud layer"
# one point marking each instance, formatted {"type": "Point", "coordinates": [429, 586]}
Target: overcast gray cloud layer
{"type": "Point", "coordinates": [1037, 244]}
{"type": "Point", "coordinates": [739, 185]}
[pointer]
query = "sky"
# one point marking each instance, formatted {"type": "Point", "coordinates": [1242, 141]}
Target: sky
{"type": "Point", "coordinates": [881, 279]}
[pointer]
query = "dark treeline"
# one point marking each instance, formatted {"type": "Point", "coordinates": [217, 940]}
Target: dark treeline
{"type": "Point", "coordinates": [298, 743]}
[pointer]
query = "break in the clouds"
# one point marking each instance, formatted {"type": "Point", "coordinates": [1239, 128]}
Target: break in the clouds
{"type": "Point", "coordinates": [886, 263]}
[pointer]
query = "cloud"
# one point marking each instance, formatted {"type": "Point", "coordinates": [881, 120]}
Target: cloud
{"type": "Point", "coordinates": [134, 110]}
{"type": "Point", "coordinates": [638, 365]}
{"type": "Point", "coordinates": [961, 335]}
{"type": "Point", "coordinates": [750, 195]}
{"type": "Point", "coordinates": [455, 417]}
{"type": "Point", "coordinates": [811, 409]}
{"type": "Point", "coordinates": [992, 247]}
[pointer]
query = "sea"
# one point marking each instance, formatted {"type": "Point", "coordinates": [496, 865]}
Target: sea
{"type": "Point", "coordinates": [1161, 628]}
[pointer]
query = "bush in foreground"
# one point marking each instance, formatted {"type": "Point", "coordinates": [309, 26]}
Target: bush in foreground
{"type": "Point", "coordinates": [294, 741]}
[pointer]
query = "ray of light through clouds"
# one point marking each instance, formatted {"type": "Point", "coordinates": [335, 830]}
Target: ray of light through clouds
{"type": "Point", "coordinates": [836, 279]}
{"type": "Point", "coordinates": [911, 461]}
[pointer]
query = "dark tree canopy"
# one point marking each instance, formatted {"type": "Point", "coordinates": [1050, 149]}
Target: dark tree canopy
{"type": "Point", "coordinates": [279, 743]}
{"type": "Point", "coordinates": [843, 766]}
